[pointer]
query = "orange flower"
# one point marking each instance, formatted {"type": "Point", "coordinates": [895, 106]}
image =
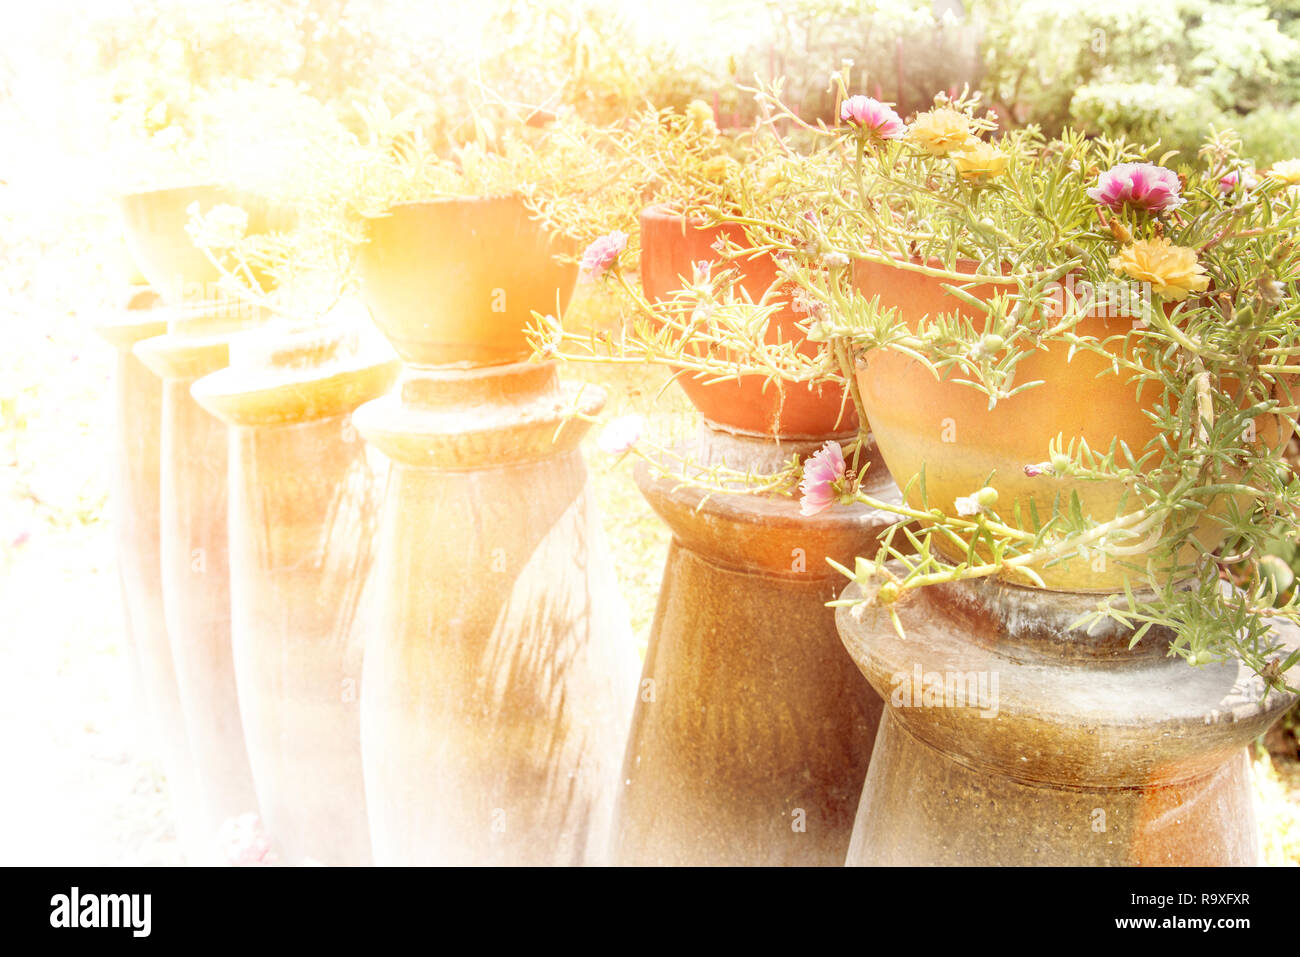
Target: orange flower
{"type": "Point", "coordinates": [1172, 271]}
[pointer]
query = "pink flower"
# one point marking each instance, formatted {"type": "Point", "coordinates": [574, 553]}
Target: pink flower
{"type": "Point", "coordinates": [873, 117]}
{"type": "Point", "coordinates": [600, 255]}
{"type": "Point", "coordinates": [244, 842]}
{"type": "Point", "coordinates": [1033, 471]}
{"type": "Point", "coordinates": [620, 435]}
{"type": "Point", "coordinates": [1141, 185]}
{"type": "Point", "coordinates": [822, 470]}
{"type": "Point", "coordinates": [1236, 177]}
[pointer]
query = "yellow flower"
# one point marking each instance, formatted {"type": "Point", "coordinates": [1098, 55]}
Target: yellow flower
{"type": "Point", "coordinates": [941, 131]}
{"type": "Point", "coordinates": [1287, 171]}
{"type": "Point", "coordinates": [718, 169]}
{"type": "Point", "coordinates": [980, 161]}
{"type": "Point", "coordinates": [1172, 271]}
{"type": "Point", "coordinates": [700, 116]}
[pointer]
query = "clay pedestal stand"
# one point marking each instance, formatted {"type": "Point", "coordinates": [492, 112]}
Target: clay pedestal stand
{"type": "Point", "coordinates": [138, 415]}
{"type": "Point", "coordinates": [752, 729]}
{"type": "Point", "coordinates": [304, 508]}
{"type": "Point", "coordinates": [499, 678]}
{"type": "Point", "coordinates": [1010, 739]}
{"type": "Point", "coordinates": [195, 574]}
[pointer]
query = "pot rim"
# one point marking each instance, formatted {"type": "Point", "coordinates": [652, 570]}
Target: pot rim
{"type": "Point", "coordinates": [663, 211]}
{"type": "Point", "coordinates": [188, 187]}
{"type": "Point", "coordinates": [440, 201]}
{"type": "Point", "coordinates": [934, 262]}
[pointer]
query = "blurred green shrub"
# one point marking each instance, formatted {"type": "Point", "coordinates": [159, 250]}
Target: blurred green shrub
{"type": "Point", "coordinates": [1179, 117]}
{"type": "Point", "coordinates": [1162, 68]}
{"type": "Point", "coordinates": [903, 51]}
{"type": "Point", "coordinates": [1270, 133]}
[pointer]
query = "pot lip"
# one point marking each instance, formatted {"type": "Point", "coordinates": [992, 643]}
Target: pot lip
{"type": "Point", "coordinates": [142, 194]}
{"type": "Point", "coordinates": [662, 212]}
{"type": "Point", "coordinates": [438, 202]}
{"type": "Point", "coordinates": [964, 265]}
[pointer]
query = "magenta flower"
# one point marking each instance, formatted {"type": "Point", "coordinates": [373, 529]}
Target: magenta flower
{"type": "Point", "coordinates": [244, 842]}
{"type": "Point", "coordinates": [873, 117]}
{"type": "Point", "coordinates": [600, 255]}
{"type": "Point", "coordinates": [822, 470]}
{"type": "Point", "coordinates": [1140, 185]}
{"type": "Point", "coordinates": [1236, 178]}
{"type": "Point", "coordinates": [1033, 471]}
{"type": "Point", "coordinates": [620, 435]}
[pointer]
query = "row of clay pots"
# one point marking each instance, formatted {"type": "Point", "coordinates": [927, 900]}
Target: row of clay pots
{"type": "Point", "coordinates": [499, 669]}
{"type": "Point", "coordinates": [491, 718]}
{"type": "Point", "coordinates": [751, 732]}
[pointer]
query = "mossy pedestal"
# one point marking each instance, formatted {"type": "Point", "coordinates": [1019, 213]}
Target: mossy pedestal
{"type": "Point", "coordinates": [137, 402]}
{"type": "Point", "coordinates": [1010, 739]}
{"type": "Point", "coordinates": [500, 671]}
{"type": "Point", "coordinates": [303, 510]}
{"type": "Point", "coordinates": [752, 729]}
{"type": "Point", "coordinates": [195, 570]}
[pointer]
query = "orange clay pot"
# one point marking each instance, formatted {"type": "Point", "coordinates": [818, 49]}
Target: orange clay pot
{"type": "Point", "coordinates": [947, 429]}
{"type": "Point", "coordinates": [154, 223]}
{"type": "Point", "coordinates": [304, 504]}
{"type": "Point", "coordinates": [195, 572]}
{"type": "Point", "coordinates": [670, 247]}
{"type": "Point", "coordinates": [135, 499]}
{"type": "Point", "coordinates": [454, 282]}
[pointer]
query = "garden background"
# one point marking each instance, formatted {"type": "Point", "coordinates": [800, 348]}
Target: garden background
{"type": "Point", "coordinates": [100, 98]}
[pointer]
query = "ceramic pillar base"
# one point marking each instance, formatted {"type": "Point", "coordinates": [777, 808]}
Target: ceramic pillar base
{"type": "Point", "coordinates": [195, 569]}
{"type": "Point", "coordinates": [752, 728]}
{"type": "Point", "coordinates": [135, 498]}
{"type": "Point", "coordinates": [498, 680]}
{"type": "Point", "coordinates": [1010, 739]}
{"type": "Point", "coordinates": [304, 509]}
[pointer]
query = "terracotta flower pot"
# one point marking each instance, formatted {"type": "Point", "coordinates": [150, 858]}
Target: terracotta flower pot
{"type": "Point", "coordinates": [195, 569]}
{"type": "Point", "coordinates": [135, 498]}
{"type": "Point", "coordinates": [154, 223]}
{"type": "Point", "coordinates": [752, 729]}
{"type": "Point", "coordinates": [670, 248]}
{"type": "Point", "coordinates": [455, 281]}
{"type": "Point", "coordinates": [500, 668]}
{"type": "Point", "coordinates": [304, 506]}
{"type": "Point", "coordinates": [948, 430]}
{"type": "Point", "coordinates": [1010, 738]}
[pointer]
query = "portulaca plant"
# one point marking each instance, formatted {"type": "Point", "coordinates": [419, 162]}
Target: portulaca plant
{"type": "Point", "coordinates": [1029, 238]}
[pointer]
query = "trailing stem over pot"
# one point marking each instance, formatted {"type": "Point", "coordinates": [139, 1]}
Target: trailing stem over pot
{"type": "Point", "coordinates": [713, 304]}
{"type": "Point", "coordinates": [454, 250]}
{"type": "Point", "coordinates": [1076, 358]}
{"type": "Point", "coordinates": [159, 227]}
